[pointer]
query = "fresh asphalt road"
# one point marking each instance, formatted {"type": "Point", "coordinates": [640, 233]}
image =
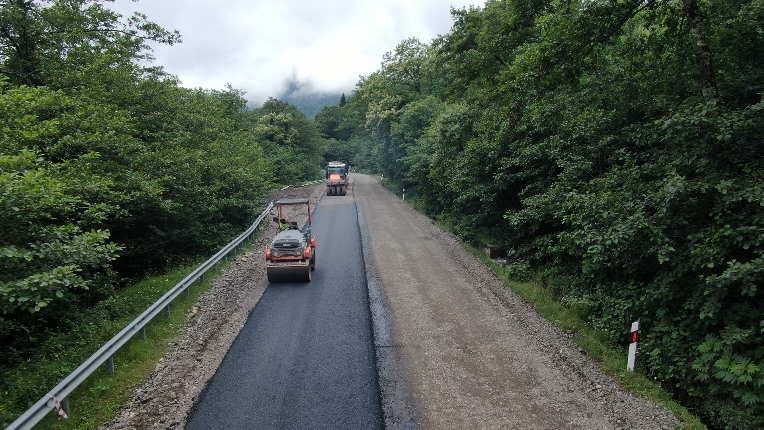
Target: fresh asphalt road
{"type": "Point", "coordinates": [305, 357]}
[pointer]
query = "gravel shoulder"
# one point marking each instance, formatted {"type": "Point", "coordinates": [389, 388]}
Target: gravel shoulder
{"type": "Point", "coordinates": [472, 354]}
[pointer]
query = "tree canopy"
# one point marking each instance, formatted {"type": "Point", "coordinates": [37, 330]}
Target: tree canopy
{"type": "Point", "coordinates": [612, 147]}
{"type": "Point", "coordinates": [110, 170]}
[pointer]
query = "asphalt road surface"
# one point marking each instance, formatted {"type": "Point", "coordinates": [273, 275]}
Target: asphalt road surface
{"type": "Point", "coordinates": [304, 359]}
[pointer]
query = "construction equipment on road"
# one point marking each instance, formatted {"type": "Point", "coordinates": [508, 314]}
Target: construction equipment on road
{"type": "Point", "coordinates": [337, 178]}
{"type": "Point", "coordinates": [291, 256]}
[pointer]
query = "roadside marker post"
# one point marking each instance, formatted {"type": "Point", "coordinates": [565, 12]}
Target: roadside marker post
{"type": "Point", "coordinates": [633, 346]}
{"type": "Point", "coordinates": [60, 409]}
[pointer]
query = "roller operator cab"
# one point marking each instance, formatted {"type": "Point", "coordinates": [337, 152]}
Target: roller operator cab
{"type": "Point", "coordinates": [337, 178]}
{"type": "Point", "coordinates": [291, 256]}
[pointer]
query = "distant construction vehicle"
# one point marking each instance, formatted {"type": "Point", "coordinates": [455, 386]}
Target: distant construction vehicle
{"type": "Point", "coordinates": [337, 178]}
{"type": "Point", "coordinates": [291, 256]}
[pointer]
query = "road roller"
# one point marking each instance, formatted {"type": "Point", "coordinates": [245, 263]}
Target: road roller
{"type": "Point", "coordinates": [337, 178]}
{"type": "Point", "coordinates": [291, 256]}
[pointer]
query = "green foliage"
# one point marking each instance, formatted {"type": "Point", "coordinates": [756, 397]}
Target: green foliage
{"type": "Point", "coordinates": [384, 95]}
{"type": "Point", "coordinates": [290, 140]}
{"type": "Point", "coordinates": [110, 171]}
{"type": "Point", "coordinates": [519, 271]}
{"type": "Point", "coordinates": [60, 354]}
{"type": "Point", "coordinates": [616, 145]}
{"type": "Point", "coordinates": [72, 43]}
{"type": "Point", "coordinates": [52, 258]}
{"type": "Point", "coordinates": [197, 182]}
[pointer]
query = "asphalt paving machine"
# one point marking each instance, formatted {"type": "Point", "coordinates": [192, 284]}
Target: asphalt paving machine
{"type": "Point", "coordinates": [291, 256]}
{"type": "Point", "coordinates": [337, 178]}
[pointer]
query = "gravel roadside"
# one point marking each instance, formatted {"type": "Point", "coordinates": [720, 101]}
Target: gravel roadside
{"type": "Point", "coordinates": [471, 353]}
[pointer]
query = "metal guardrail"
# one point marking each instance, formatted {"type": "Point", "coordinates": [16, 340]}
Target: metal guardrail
{"type": "Point", "coordinates": [105, 354]}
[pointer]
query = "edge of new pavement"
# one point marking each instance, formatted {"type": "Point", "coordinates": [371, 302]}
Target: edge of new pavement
{"type": "Point", "coordinates": [395, 398]}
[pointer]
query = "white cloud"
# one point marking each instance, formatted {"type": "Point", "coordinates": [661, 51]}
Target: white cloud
{"type": "Point", "coordinates": [256, 45]}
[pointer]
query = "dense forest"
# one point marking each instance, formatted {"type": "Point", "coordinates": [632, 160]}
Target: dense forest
{"type": "Point", "coordinates": [110, 170]}
{"type": "Point", "coordinates": [615, 149]}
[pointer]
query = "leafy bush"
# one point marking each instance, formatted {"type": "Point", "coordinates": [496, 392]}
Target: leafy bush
{"type": "Point", "coordinates": [49, 266]}
{"type": "Point", "coordinates": [519, 271]}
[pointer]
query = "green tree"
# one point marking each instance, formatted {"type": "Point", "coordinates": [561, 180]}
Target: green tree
{"type": "Point", "coordinates": [71, 44]}
{"type": "Point", "coordinates": [290, 140]}
{"type": "Point", "coordinates": [94, 149]}
{"type": "Point", "coordinates": [53, 258]}
{"type": "Point", "coordinates": [385, 93]}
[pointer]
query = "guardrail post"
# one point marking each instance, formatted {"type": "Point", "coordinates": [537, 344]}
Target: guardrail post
{"type": "Point", "coordinates": [65, 406]}
{"type": "Point", "coordinates": [60, 406]}
{"type": "Point", "coordinates": [167, 310]}
{"type": "Point", "coordinates": [186, 292]}
{"type": "Point", "coordinates": [143, 333]}
{"type": "Point", "coordinates": [110, 364]}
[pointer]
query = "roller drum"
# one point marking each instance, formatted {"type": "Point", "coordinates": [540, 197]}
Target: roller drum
{"type": "Point", "coordinates": [289, 273]}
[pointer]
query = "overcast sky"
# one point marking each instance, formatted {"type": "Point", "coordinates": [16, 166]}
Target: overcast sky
{"type": "Point", "coordinates": [256, 45]}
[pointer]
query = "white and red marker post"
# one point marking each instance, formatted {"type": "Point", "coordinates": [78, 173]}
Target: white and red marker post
{"type": "Point", "coordinates": [633, 346]}
{"type": "Point", "coordinates": [54, 403]}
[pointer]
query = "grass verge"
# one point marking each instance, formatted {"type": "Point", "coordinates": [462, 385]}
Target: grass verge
{"type": "Point", "coordinates": [613, 360]}
{"type": "Point", "coordinates": [102, 395]}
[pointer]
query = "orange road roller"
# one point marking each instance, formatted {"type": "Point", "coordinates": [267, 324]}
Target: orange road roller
{"type": "Point", "coordinates": [291, 256]}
